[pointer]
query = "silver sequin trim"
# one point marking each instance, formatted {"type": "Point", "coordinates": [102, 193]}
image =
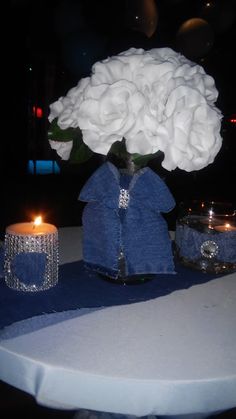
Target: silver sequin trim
{"type": "Point", "coordinates": [124, 198]}
{"type": "Point", "coordinates": [209, 249]}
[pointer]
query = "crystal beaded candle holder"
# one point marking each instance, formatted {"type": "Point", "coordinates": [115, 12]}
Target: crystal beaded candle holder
{"type": "Point", "coordinates": [205, 237]}
{"type": "Point", "coordinates": [31, 259]}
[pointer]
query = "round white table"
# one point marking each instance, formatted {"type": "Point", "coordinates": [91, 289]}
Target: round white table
{"type": "Point", "coordinates": [173, 355]}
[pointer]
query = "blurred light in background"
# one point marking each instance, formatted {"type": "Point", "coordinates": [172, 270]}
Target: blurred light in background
{"type": "Point", "coordinates": [142, 16]}
{"type": "Point", "coordinates": [37, 111]}
{"type": "Point", "coordinates": [43, 167]}
{"type": "Point", "coordinates": [195, 38]}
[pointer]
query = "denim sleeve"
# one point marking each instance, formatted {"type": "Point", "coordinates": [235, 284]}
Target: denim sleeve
{"type": "Point", "coordinates": [151, 191]}
{"type": "Point", "coordinates": [102, 186]}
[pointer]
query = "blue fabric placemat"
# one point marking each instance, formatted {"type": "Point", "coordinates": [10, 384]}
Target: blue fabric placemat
{"type": "Point", "coordinates": [80, 288]}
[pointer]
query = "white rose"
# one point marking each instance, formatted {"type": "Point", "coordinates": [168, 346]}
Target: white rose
{"type": "Point", "coordinates": [109, 113]}
{"type": "Point", "coordinates": [63, 107]}
{"type": "Point", "coordinates": [156, 100]}
{"type": "Point", "coordinates": [63, 148]}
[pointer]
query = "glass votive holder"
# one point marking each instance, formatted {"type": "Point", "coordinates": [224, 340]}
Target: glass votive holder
{"type": "Point", "coordinates": [205, 237]}
{"type": "Point", "coordinates": [31, 257]}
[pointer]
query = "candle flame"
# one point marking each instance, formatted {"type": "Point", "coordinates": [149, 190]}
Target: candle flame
{"type": "Point", "coordinates": [38, 220]}
{"type": "Point", "coordinates": [227, 226]}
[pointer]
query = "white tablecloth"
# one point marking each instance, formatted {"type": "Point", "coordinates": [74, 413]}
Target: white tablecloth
{"type": "Point", "coordinates": [173, 355]}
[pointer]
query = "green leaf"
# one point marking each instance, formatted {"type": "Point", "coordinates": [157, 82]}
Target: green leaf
{"type": "Point", "coordinates": [57, 134]}
{"type": "Point", "coordinates": [80, 154]}
{"type": "Point", "coordinates": [119, 149]}
{"type": "Point", "coordinates": [140, 160]}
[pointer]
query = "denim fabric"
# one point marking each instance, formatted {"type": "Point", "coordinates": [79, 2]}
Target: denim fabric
{"type": "Point", "coordinates": [79, 288]}
{"type": "Point", "coordinates": [189, 243]}
{"type": "Point", "coordinates": [140, 231]}
{"type": "Point", "coordinates": [29, 267]}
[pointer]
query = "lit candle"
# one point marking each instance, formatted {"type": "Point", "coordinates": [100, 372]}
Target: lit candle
{"type": "Point", "coordinates": [37, 227]}
{"type": "Point", "coordinates": [225, 227]}
{"type": "Point", "coordinates": [31, 256]}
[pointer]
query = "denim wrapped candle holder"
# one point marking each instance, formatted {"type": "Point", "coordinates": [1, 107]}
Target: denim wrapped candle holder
{"type": "Point", "coordinates": [31, 257]}
{"type": "Point", "coordinates": [124, 232]}
{"type": "Point", "coordinates": [206, 236]}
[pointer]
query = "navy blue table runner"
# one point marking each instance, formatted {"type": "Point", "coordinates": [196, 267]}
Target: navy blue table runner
{"type": "Point", "coordinates": [80, 288]}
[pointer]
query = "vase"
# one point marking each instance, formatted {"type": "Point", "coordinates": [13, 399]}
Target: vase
{"type": "Point", "coordinates": [125, 236]}
{"type": "Point", "coordinates": [205, 236]}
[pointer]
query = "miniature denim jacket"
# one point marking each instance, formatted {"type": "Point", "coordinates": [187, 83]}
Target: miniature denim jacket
{"type": "Point", "coordinates": [123, 216]}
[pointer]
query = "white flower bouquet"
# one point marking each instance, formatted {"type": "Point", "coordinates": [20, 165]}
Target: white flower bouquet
{"type": "Point", "coordinates": [146, 101]}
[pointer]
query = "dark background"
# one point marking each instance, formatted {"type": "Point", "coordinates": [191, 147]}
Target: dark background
{"type": "Point", "coordinates": [49, 45]}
